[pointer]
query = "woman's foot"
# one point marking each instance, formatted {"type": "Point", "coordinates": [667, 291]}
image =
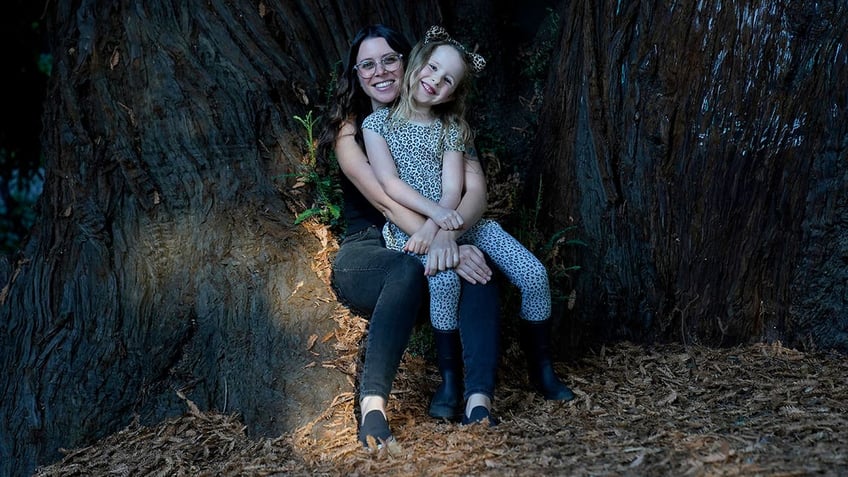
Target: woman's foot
{"type": "Point", "coordinates": [479, 414]}
{"type": "Point", "coordinates": [375, 426]}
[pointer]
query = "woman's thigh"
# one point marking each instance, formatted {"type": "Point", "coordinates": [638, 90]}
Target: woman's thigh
{"type": "Point", "coordinates": [366, 272]}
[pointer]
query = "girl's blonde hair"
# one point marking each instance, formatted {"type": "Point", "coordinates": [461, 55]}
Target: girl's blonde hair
{"type": "Point", "coordinates": [451, 112]}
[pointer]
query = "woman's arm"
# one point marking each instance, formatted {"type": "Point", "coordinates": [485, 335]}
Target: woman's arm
{"type": "Point", "coordinates": [354, 165]}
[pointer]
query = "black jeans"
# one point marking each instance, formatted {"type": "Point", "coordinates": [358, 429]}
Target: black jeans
{"type": "Point", "coordinates": [390, 286]}
{"type": "Point", "coordinates": [480, 331]}
{"type": "Point", "coordinates": [387, 285]}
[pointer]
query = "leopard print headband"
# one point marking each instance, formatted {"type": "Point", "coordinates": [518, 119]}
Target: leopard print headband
{"type": "Point", "coordinates": [437, 33]}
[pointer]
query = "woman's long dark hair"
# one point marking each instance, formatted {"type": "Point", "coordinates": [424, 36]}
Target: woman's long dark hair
{"type": "Point", "coordinates": [349, 100]}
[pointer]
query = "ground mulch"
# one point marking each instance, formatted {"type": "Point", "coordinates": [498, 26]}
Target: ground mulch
{"type": "Point", "coordinates": [662, 410]}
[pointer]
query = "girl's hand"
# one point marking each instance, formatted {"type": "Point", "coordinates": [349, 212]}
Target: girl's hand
{"type": "Point", "coordinates": [472, 265]}
{"type": "Point", "coordinates": [420, 242]}
{"type": "Point", "coordinates": [416, 244]}
{"type": "Point", "coordinates": [447, 219]}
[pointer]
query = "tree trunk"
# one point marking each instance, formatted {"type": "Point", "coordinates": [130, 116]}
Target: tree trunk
{"type": "Point", "coordinates": [165, 258]}
{"type": "Point", "coordinates": [700, 149]}
{"type": "Point", "coordinates": [697, 150]}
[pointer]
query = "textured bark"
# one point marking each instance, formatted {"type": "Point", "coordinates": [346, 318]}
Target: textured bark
{"type": "Point", "coordinates": [165, 258]}
{"type": "Point", "coordinates": [699, 147]}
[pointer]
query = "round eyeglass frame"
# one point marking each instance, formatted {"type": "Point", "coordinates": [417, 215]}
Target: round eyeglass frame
{"type": "Point", "coordinates": [394, 62]}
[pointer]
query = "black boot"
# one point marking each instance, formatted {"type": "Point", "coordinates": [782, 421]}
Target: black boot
{"type": "Point", "coordinates": [535, 339]}
{"type": "Point", "coordinates": [447, 400]}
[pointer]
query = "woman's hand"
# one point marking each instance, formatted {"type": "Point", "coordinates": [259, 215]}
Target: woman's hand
{"type": "Point", "coordinates": [472, 265]}
{"type": "Point", "coordinates": [467, 260]}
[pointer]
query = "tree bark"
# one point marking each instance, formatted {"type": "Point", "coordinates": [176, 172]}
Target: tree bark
{"type": "Point", "coordinates": [164, 258]}
{"type": "Point", "coordinates": [698, 147]}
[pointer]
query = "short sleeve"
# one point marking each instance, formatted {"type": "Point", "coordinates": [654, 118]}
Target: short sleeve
{"type": "Point", "coordinates": [452, 139]}
{"type": "Point", "coordinates": [376, 121]}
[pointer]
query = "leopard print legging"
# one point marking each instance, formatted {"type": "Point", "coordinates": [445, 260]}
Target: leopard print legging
{"type": "Point", "coordinates": [520, 266]}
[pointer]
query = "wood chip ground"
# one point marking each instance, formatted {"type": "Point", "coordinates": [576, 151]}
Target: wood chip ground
{"type": "Point", "coordinates": [663, 410]}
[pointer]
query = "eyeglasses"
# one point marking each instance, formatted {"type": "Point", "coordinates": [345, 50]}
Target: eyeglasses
{"type": "Point", "coordinates": [368, 68]}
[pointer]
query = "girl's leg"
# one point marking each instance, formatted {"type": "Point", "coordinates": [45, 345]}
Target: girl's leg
{"type": "Point", "coordinates": [520, 266]}
{"type": "Point", "coordinates": [526, 271]}
{"type": "Point", "coordinates": [447, 400]}
{"type": "Point", "coordinates": [444, 299]}
{"type": "Point", "coordinates": [444, 296]}
{"type": "Point", "coordinates": [536, 342]}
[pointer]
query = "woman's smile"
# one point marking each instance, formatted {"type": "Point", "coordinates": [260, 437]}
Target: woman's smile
{"type": "Point", "coordinates": [382, 85]}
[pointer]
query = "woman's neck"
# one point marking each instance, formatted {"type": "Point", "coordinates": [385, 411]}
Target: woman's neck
{"type": "Point", "coordinates": [375, 105]}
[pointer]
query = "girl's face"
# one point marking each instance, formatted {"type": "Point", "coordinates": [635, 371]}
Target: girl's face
{"type": "Point", "coordinates": [384, 86]}
{"type": "Point", "coordinates": [437, 80]}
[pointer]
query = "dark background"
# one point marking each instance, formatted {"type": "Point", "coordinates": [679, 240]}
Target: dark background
{"type": "Point", "coordinates": [27, 64]}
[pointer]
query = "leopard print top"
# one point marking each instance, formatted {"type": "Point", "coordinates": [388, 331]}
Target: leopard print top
{"type": "Point", "coordinates": [418, 157]}
{"type": "Point", "coordinates": [417, 149]}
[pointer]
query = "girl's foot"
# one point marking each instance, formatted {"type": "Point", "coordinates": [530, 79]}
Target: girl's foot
{"type": "Point", "coordinates": [375, 426]}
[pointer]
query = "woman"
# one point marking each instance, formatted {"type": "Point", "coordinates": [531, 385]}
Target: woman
{"type": "Point", "coordinates": [390, 285]}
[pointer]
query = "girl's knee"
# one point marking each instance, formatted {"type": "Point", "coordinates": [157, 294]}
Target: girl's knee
{"type": "Point", "coordinates": [537, 275]}
{"type": "Point", "coordinates": [445, 281]}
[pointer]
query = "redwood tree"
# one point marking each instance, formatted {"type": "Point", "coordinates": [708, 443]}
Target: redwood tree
{"type": "Point", "coordinates": [699, 149]}
{"type": "Point", "coordinates": [164, 259]}
{"type": "Point", "coordinates": [695, 149]}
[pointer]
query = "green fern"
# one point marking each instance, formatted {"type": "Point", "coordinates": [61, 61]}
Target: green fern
{"type": "Point", "coordinates": [325, 207]}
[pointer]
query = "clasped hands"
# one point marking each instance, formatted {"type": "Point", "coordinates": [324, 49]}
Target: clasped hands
{"type": "Point", "coordinates": [443, 253]}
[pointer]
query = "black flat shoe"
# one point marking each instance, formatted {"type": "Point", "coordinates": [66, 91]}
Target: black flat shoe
{"type": "Point", "coordinates": [479, 414]}
{"type": "Point", "coordinates": [376, 426]}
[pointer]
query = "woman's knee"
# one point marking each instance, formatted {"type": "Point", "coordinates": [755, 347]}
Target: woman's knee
{"type": "Point", "coordinates": [407, 270]}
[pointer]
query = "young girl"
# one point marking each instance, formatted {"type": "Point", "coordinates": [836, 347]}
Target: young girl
{"type": "Point", "coordinates": [416, 151]}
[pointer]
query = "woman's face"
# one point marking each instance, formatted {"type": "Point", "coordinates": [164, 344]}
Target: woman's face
{"type": "Point", "coordinates": [384, 86]}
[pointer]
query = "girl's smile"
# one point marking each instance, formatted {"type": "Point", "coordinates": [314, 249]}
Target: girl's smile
{"type": "Point", "coordinates": [439, 77]}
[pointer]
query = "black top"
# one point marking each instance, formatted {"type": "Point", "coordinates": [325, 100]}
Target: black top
{"type": "Point", "coordinates": [358, 213]}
